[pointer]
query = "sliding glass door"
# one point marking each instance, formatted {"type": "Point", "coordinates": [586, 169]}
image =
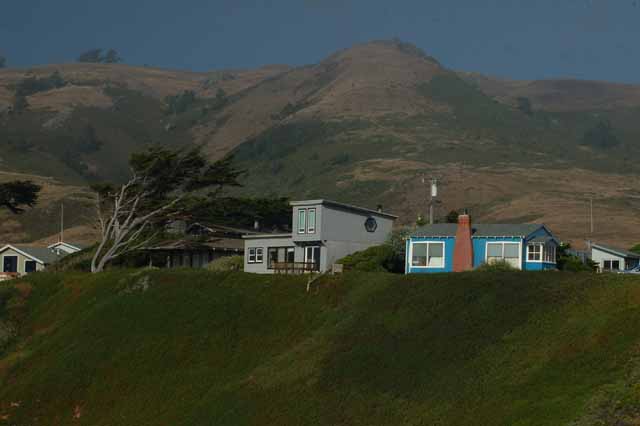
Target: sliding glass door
{"type": "Point", "coordinates": [312, 255]}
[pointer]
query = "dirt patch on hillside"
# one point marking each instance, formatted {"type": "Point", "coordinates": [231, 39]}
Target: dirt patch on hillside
{"type": "Point", "coordinates": [70, 97]}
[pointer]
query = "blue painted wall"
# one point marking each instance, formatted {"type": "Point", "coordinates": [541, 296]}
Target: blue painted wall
{"type": "Point", "coordinates": [537, 266]}
{"type": "Point", "coordinates": [479, 252]}
{"type": "Point", "coordinates": [449, 244]}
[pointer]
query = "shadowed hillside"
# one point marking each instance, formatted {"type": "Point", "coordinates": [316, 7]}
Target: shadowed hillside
{"type": "Point", "coordinates": [193, 348]}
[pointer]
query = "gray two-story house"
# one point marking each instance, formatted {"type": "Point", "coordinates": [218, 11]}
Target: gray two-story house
{"type": "Point", "coordinates": [323, 232]}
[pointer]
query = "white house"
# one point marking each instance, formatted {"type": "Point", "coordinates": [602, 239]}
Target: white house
{"type": "Point", "coordinates": [18, 260]}
{"type": "Point", "coordinates": [611, 258]}
{"type": "Point", "coordinates": [64, 247]}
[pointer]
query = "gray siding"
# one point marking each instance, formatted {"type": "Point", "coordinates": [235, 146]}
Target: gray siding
{"type": "Point", "coordinates": [334, 224]}
{"type": "Point", "coordinates": [265, 243]}
{"type": "Point", "coordinates": [349, 227]}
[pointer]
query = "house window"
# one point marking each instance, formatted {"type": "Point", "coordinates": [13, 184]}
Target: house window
{"type": "Point", "coordinates": [279, 255]}
{"type": "Point", "coordinates": [504, 252]}
{"type": "Point", "coordinates": [534, 252]}
{"type": "Point", "coordinates": [302, 221]}
{"type": "Point", "coordinates": [10, 264]}
{"type": "Point", "coordinates": [312, 256]}
{"type": "Point", "coordinates": [427, 255]}
{"type": "Point", "coordinates": [611, 265]}
{"type": "Point", "coordinates": [29, 266]}
{"type": "Point", "coordinates": [255, 255]}
{"type": "Point", "coordinates": [550, 253]}
{"type": "Point", "coordinates": [311, 219]}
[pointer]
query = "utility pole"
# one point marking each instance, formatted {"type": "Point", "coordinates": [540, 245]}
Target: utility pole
{"type": "Point", "coordinates": [434, 194]}
{"type": "Point", "coordinates": [61, 221]}
{"type": "Point", "coordinates": [591, 217]}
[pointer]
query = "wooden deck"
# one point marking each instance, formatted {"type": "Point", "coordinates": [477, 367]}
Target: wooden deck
{"type": "Point", "coordinates": [294, 267]}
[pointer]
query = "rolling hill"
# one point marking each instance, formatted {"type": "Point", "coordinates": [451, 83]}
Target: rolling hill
{"type": "Point", "coordinates": [363, 126]}
{"type": "Point", "coordinates": [192, 347]}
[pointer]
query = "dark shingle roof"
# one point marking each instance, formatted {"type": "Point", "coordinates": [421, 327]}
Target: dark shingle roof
{"type": "Point", "coordinates": [618, 251]}
{"type": "Point", "coordinates": [478, 230]}
{"type": "Point", "coordinates": [44, 254]}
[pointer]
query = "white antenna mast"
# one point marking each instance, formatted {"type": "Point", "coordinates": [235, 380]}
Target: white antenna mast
{"type": "Point", "coordinates": [591, 217]}
{"type": "Point", "coordinates": [434, 194]}
{"type": "Point", "coordinates": [62, 221]}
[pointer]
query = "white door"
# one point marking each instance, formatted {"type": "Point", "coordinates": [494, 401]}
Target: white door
{"type": "Point", "coordinates": [312, 255]}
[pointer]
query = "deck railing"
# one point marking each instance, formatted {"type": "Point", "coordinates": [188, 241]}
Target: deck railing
{"type": "Point", "coordinates": [294, 267]}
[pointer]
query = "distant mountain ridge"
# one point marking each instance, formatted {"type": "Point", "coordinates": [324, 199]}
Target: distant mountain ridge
{"type": "Point", "coordinates": [363, 125]}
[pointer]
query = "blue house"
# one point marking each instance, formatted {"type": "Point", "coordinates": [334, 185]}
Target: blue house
{"type": "Point", "coordinates": [450, 247]}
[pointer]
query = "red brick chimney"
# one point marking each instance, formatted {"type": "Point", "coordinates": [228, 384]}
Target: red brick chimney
{"type": "Point", "coordinates": [463, 250]}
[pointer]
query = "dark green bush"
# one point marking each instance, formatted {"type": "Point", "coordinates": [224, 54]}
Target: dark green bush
{"type": "Point", "coordinates": [227, 264]}
{"type": "Point", "coordinates": [381, 258]}
{"type": "Point", "coordinates": [499, 266]}
{"type": "Point", "coordinates": [574, 264]}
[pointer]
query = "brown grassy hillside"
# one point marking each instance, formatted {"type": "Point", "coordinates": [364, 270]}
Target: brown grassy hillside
{"type": "Point", "coordinates": [362, 125]}
{"type": "Point", "coordinates": [44, 219]}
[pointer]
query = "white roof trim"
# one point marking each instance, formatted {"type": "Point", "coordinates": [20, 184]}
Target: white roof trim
{"type": "Point", "coordinates": [63, 243]}
{"type": "Point", "coordinates": [9, 246]}
{"type": "Point", "coordinates": [258, 236]}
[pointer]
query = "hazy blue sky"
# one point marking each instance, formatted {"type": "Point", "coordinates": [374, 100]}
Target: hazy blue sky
{"type": "Point", "coordinates": [590, 39]}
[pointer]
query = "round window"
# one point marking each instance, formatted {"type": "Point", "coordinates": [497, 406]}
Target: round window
{"type": "Point", "coordinates": [370, 224]}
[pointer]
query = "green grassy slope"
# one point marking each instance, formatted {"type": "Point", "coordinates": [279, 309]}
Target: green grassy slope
{"type": "Point", "coordinates": [196, 348]}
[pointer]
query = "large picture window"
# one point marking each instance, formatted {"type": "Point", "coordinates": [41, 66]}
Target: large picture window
{"type": "Point", "coordinates": [302, 221]}
{"type": "Point", "coordinates": [279, 255]}
{"type": "Point", "coordinates": [504, 252]}
{"type": "Point", "coordinates": [611, 265]}
{"type": "Point", "coordinates": [427, 255]}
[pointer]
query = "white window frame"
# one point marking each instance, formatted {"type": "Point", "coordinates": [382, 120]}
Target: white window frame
{"type": "Point", "coordinates": [302, 224]}
{"type": "Point", "coordinates": [428, 243]}
{"type": "Point", "coordinates": [540, 253]}
{"type": "Point", "coordinates": [311, 229]}
{"type": "Point", "coordinates": [519, 243]}
{"type": "Point", "coordinates": [611, 260]}
{"type": "Point", "coordinates": [257, 253]}
{"type": "Point", "coordinates": [549, 254]}
{"type": "Point", "coordinates": [313, 259]}
{"type": "Point", "coordinates": [287, 250]}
